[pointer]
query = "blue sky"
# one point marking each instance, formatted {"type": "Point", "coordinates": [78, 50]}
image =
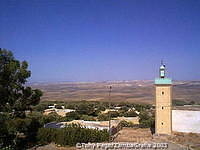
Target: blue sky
{"type": "Point", "coordinates": [100, 40]}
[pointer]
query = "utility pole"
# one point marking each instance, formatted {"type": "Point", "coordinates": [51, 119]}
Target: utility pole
{"type": "Point", "coordinates": [109, 115]}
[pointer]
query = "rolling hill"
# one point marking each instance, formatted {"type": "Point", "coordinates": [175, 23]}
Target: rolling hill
{"type": "Point", "coordinates": [122, 91]}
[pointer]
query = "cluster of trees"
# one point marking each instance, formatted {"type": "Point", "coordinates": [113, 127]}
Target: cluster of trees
{"type": "Point", "coordinates": [91, 107]}
{"type": "Point", "coordinates": [71, 134]}
{"type": "Point", "coordinates": [92, 110]}
{"type": "Point", "coordinates": [147, 120]}
{"type": "Point", "coordinates": [20, 131]}
{"type": "Point", "coordinates": [16, 98]}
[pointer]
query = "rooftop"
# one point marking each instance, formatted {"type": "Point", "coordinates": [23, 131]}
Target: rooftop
{"type": "Point", "coordinates": [162, 81]}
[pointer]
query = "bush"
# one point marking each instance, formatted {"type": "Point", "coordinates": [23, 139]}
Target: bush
{"type": "Point", "coordinates": [18, 133]}
{"type": "Point", "coordinates": [103, 117]}
{"type": "Point", "coordinates": [113, 114]}
{"type": "Point", "coordinates": [146, 121]}
{"type": "Point", "coordinates": [72, 115]}
{"type": "Point", "coordinates": [71, 134]}
{"type": "Point", "coordinates": [59, 106]}
{"type": "Point", "coordinates": [130, 114]}
{"type": "Point", "coordinates": [178, 102]}
{"type": "Point", "coordinates": [46, 135]}
{"type": "Point", "coordinates": [124, 123]}
{"type": "Point", "coordinates": [41, 107]}
{"type": "Point", "coordinates": [124, 108]}
{"type": "Point", "coordinates": [51, 117]}
{"type": "Point", "coordinates": [87, 118]}
{"type": "Point", "coordinates": [85, 108]}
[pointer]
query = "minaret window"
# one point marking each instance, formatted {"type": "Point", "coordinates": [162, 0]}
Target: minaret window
{"type": "Point", "coordinates": [162, 93]}
{"type": "Point", "coordinates": [162, 107]}
{"type": "Point", "coordinates": [162, 70]}
{"type": "Point", "coordinates": [162, 123]}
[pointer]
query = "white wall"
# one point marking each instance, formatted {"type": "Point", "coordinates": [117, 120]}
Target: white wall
{"type": "Point", "coordinates": [186, 121]}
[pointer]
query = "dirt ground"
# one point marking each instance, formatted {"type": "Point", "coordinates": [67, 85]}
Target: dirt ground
{"type": "Point", "coordinates": [144, 136]}
{"type": "Point", "coordinates": [138, 135]}
{"type": "Point", "coordinates": [191, 140]}
{"type": "Point", "coordinates": [177, 141]}
{"type": "Point", "coordinates": [53, 146]}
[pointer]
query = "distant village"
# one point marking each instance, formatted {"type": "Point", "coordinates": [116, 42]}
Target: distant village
{"type": "Point", "coordinates": [90, 124]}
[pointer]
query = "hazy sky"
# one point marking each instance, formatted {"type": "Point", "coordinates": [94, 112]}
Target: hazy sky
{"type": "Point", "coordinates": [99, 40]}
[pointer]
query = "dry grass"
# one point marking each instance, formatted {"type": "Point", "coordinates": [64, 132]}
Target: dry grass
{"type": "Point", "coordinates": [191, 139]}
{"type": "Point", "coordinates": [52, 146]}
{"type": "Point", "coordinates": [138, 135]}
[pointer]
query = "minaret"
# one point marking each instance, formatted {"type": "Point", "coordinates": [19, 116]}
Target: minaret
{"type": "Point", "coordinates": [163, 88]}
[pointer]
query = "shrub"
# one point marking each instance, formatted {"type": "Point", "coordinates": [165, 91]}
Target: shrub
{"type": "Point", "coordinates": [18, 133]}
{"type": "Point", "coordinates": [46, 135]}
{"type": "Point", "coordinates": [130, 114]}
{"type": "Point", "coordinates": [146, 121]}
{"type": "Point", "coordinates": [103, 117]}
{"type": "Point", "coordinates": [85, 108]}
{"type": "Point", "coordinates": [71, 134]}
{"type": "Point", "coordinates": [113, 114]}
{"type": "Point", "coordinates": [72, 115]}
{"type": "Point", "coordinates": [124, 123]}
{"type": "Point", "coordinates": [40, 107]}
{"type": "Point", "coordinates": [178, 102]}
{"type": "Point", "coordinates": [87, 118]}
{"type": "Point", "coordinates": [51, 117]}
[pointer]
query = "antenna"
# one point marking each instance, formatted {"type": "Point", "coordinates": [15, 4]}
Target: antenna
{"type": "Point", "coordinates": [109, 124]}
{"type": "Point", "coordinates": [162, 63]}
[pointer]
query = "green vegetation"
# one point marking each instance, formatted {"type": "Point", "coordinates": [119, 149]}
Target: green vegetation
{"type": "Point", "coordinates": [15, 96]}
{"type": "Point", "coordinates": [19, 133]}
{"type": "Point", "coordinates": [147, 120]}
{"type": "Point", "coordinates": [103, 117]}
{"type": "Point", "coordinates": [16, 129]}
{"type": "Point", "coordinates": [130, 114]}
{"type": "Point", "coordinates": [124, 123]}
{"type": "Point", "coordinates": [72, 116]}
{"type": "Point", "coordinates": [22, 119]}
{"type": "Point", "coordinates": [87, 118]}
{"type": "Point", "coordinates": [71, 134]}
{"type": "Point", "coordinates": [92, 110]}
{"type": "Point", "coordinates": [176, 102]}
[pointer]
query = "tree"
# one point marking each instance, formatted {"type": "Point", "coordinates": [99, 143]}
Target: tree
{"type": "Point", "coordinates": [131, 113]}
{"type": "Point", "coordinates": [72, 115]}
{"type": "Point", "coordinates": [51, 117]}
{"type": "Point", "coordinates": [124, 123]}
{"type": "Point", "coordinates": [103, 117]}
{"type": "Point", "coordinates": [85, 108]}
{"type": "Point", "coordinates": [15, 96]}
{"type": "Point", "coordinates": [113, 114]}
{"type": "Point", "coordinates": [192, 102]}
{"type": "Point", "coordinates": [87, 118]}
{"type": "Point", "coordinates": [146, 121]}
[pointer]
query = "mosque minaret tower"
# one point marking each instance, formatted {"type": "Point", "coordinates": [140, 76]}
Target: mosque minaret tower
{"type": "Point", "coordinates": [163, 87]}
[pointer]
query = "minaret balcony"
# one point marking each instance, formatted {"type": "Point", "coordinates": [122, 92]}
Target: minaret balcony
{"type": "Point", "coordinates": [163, 81]}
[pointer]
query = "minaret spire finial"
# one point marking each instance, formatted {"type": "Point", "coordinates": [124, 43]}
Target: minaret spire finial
{"type": "Point", "coordinates": [161, 61]}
